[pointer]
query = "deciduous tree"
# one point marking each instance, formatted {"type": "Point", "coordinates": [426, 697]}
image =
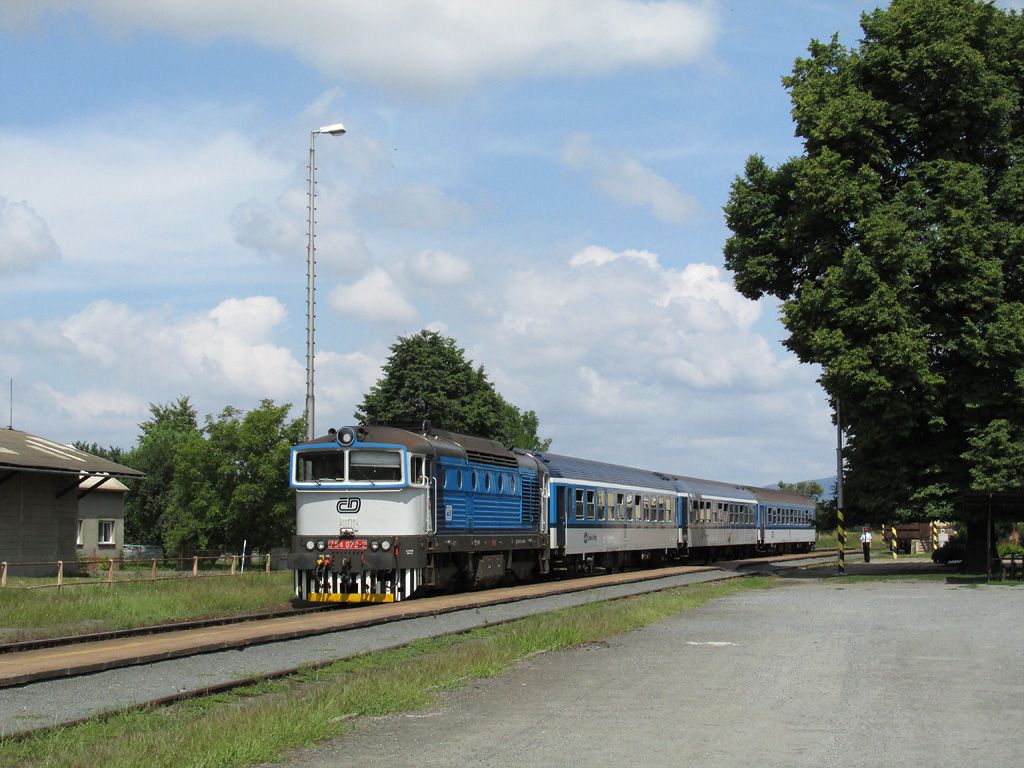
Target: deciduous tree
{"type": "Point", "coordinates": [895, 242]}
{"type": "Point", "coordinates": [427, 377]}
{"type": "Point", "coordinates": [230, 481]}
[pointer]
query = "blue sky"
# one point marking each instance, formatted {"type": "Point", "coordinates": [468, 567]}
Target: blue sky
{"type": "Point", "coordinates": [541, 180]}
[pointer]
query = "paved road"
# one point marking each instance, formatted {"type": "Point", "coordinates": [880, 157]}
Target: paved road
{"type": "Point", "coordinates": [815, 673]}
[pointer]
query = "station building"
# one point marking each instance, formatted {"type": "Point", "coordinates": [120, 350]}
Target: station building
{"type": "Point", "coordinates": [42, 485]}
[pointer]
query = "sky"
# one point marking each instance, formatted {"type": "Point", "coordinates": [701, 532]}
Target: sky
{"type": "Point", "coordinates": [542, 180]}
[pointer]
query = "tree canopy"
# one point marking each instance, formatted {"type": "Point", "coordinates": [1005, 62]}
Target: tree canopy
{"type": "Point", "coordinates": [210, 487]}
{"type": "Point", "coordinates": [169, 427]}
{"type": "Point", "coordinates": [804, 488]}
{"type": "Point", "coordinates": [428, 378]}
{"type": "Point", "coordinates": [230, 482]}
{"type": "Point", "coordinates": [895, 242]}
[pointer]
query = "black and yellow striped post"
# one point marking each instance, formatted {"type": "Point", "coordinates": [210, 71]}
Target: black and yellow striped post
{"type": "Point", "coordinates": [840, 516]}
{"type": "Point", "coordinates": [841, 540]}
{"type": "Point", "coordinates": [935, 535]}
{"type": "Point", "coordinates": [892, 540]}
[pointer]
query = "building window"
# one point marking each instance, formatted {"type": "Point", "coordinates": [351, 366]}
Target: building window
{"type": "Point", "coordinates": [106, 532]}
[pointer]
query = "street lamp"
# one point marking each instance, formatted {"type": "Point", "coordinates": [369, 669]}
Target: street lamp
{"type": "Point", "coordinates": [335, 129]}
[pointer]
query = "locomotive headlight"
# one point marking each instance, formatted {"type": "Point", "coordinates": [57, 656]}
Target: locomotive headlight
{"type": "Point", "coordinates": [310, 545]}
{"type": "Point", "coordinates": [385, 545]}
{"type": "Point", "coordinates": [321, 546]}
{"type": "Point", "coordinates": [374, 546]}
{"type": "Point", "coordinates": [346, 436]}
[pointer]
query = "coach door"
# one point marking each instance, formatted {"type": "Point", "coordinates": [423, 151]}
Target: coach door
{"type": "Point", "coordinates": [762, 513]}
{"type": "Point", "coordinates": [561, 510]}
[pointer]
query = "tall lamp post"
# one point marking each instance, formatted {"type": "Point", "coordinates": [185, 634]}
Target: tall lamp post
{"type": "Point", "coordinates": [335, 129]}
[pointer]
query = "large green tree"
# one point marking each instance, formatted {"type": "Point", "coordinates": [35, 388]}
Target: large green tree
{"type": "Point", "coordinates": [427, 377]}
{"type": "Point", "coordinates": [230, 482]}
{"type": "Point", "coordinates": [170, 426]}
{"type": "Point", "coordinates": [895, 243]}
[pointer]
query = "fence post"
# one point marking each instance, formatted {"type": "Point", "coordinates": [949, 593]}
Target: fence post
{"type": "Point", "coordinates": [153, 577]}
{"type": "Point", "coordinates": [110, 573]}
{"type": "Point", "coordinates": [267, 564]}
{"type": "Point", "coordinates": [892, 540]}
{"type": "Point", "coordinates": [60, 574]}
{"type": "Point", "coordinates": [195, 565]}
{"type": "Point", "coordinates": [234, 562]}
{"type": "Point", "coordinates": [3, 574]}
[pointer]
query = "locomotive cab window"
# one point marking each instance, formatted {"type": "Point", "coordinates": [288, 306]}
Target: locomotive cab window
{"type": "Point", "coordinates": [375, 466]}
{"type": "Point", "coordinates": [419, 470]}
{"type": "Point", "coordinates": [320, 466]}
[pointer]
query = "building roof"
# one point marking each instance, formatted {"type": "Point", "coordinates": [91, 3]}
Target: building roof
{"type": "Point", "coordinates": [22, 452]}
{"type": "Point", "coordinates": [104, 483]}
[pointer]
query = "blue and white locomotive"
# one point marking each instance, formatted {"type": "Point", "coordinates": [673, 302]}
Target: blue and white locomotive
{"type": "Point", "coordinates": [384, 512]}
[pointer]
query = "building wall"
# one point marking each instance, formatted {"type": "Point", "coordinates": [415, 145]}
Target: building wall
{"type": "Point", "coordinates": [36, 526]}
{"type": "Point", "coordinates": [93, 508]}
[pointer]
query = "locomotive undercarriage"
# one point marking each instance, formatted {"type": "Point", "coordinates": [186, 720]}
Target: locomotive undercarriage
{"type": "Point", "coordinates": [417, 565]}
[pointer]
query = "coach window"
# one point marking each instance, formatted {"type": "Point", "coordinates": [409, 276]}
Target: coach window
{"type": "Point", "coordinates": [458, 479]}
{"type": "Point", "coordinates": [590, 505]}
{"type": "Point", "coordinates": [578, 506]}
{"type": "Point", "coordinates": [600, 505]}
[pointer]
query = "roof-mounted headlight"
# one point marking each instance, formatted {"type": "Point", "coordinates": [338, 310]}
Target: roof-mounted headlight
{"type": "Point", "coordinates": [346, 436]}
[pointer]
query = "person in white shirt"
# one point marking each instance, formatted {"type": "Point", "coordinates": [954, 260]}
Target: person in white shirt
{"type": "Point", "coordinates": [865, 543]}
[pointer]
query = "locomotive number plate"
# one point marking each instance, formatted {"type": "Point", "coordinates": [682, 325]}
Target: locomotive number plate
{"type": "Point", "coordinates": [346, 544]}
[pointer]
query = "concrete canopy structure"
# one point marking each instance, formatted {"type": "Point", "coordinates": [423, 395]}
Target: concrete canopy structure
{"type": "Point", "coordinates": [41, 483]}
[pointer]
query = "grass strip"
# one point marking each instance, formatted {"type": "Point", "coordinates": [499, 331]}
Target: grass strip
{"type": "Point", "coordinates": [44, 613]}
{"type": "Point", "coordinates": [261, 723]}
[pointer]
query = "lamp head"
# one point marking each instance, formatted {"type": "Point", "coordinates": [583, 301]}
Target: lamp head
{"type": "Point", "coordinates": [335, 129]}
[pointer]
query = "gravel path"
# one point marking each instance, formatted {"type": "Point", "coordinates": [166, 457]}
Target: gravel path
{"type": "Point", "coordinates": [817, 672]}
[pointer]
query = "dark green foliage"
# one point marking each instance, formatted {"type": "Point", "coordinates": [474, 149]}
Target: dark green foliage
{"type": "Point", "coordinates": [896, 244]}
{"type": "Point", "coordinates": [230, 482]}
{"type": "Point", "coordinates": [111, 452]}
{"type": "Point", "coordinates": [169, 427]}
{"type": "Point", "coordinates": [803, 488]}
{"type": "Point", "coordinates": [427, 377]}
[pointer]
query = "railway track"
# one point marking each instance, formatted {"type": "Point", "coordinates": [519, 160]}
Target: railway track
{"type": "Point", "coordinates": [160, 667]}
{"type": "Point", "coordinates": [179, 626]}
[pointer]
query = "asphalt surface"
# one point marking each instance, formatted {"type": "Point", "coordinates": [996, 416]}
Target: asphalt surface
{"type": "Point", "coordinates": [816, 672]}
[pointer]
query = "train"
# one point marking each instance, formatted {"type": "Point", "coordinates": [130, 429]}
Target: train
{"type": "Point", "coordinates": [384, 514]}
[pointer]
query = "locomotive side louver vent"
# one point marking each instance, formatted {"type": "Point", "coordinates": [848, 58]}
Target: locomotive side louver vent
{"type": "Point", "coordinates": [494, 459]}
{"type": "Point", "coordinates": [531, 500]}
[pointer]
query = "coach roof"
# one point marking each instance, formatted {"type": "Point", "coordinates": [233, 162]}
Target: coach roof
{"type": "Point", "coordinates": [572, 468]}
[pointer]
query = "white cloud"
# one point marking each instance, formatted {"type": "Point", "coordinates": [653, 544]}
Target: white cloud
{"type": "Point", "coordinates": [439, 268]}
{"type": "Point", "coordinates": [139, 188]}
{"type": "Point", "coordinates": [91, 405]}
{"type": "Point", "coordinates": [416, 206]}
{"type": "Point", "coordinates": [91, 374]}
{"type": "Point", "coordinates": [282, 230]}
{"type": "Point", "coordinates": [428, 45]}
{"type": "Point", "coordinates": [25, 240]}
{"type": "Point", "coordinates": [375, 296]}
{"type": "Point", "coordinates": [627, 181]}
{"type": "Point", "coordinates": [226, 352]}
